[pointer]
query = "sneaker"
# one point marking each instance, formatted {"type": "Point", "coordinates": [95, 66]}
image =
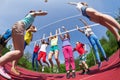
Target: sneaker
{"type": "Point", "coordinates": [99, 65]}
{"type": "Point", "coordinates": [43, 68]}
{"type": "Point", "coordinates": [68, 75]}
{"type": "Point", "coordinates": [107, 59]}
{"type": "Point", "coordinates": [83, 72]}
{"type": "Point", "coordinates": [4, 74]}
{"type": "Point", "coordinates": [88, 71]}
{"type": "Point", "coordinates": [118, 42]}
{"type": "Point", "coordinates": [73, 75]}
{"type": "Point", "coordinates": [57, 71]}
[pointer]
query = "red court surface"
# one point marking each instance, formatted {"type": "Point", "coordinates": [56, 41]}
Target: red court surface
{"type": "Point", "coordinates": [109, 71]}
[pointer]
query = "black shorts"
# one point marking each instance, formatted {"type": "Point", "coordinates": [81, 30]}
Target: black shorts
{"type": "Point", "coordinates": [2, 42]}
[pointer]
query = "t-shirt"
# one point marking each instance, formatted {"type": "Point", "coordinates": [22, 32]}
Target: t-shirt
{"type": "Point", "coordinates": [36, 49]}
{"type": "Point", "coordinates": [80, 48]}
{"type": "Point", "coordinates": [28, 37]}
{"type": "Point", "coordinates": [54, 41]}
{"type": "Point", "coordinates": [43, 47]}
{"type": "Point", "coordinates": [79, 6]}
{"type": "Point", "coordinates": [66, 42]}
{"type": "Point", "coordinates": [88, 31]}
{"type": "Point", "coordinates": [28, 20]}
{"type": "Point", "coordinates": [7, 34]}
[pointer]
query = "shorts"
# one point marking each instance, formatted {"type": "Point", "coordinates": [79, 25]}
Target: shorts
{"type": "Point", "coordinates": [82, 58]}
{"type": "Point", "coordinates": [2, 42]}
{"type": "Point", "coordinates": [54, 48]}
{"type": "Point", "coordinates": [83, 9]}
{"type": "Point", "coordinates": [1, 47]}
{"type": "Point", "coordinates": [18, 28]}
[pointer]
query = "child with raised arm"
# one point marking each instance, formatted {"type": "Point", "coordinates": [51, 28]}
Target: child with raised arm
{"type": "Point", "coordinates": [43, 53]}
{"type": "Point", "coordinates": [27, 39]}
{"type": "Point", "coordinates": [68, 53]}
{"type": "Point", "coordinates": [80, 48]}
{"type": "Point", "coordinates": [35, 55]}
{"type": "Point", "coordinates": [54, 50]}
{"type": "Point", "coordinates": [98, 17]}
{"type": "Point", "coordinates": [94, 42]}
{"type": "Point", "coordinates": [18, 30]}
{"type": "Point", "coordinates": [29, 35]}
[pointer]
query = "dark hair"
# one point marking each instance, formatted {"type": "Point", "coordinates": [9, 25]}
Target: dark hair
{"type": "Point", "coordinates": [31, 11]}
{"type": "Point", "coordinates": [29, 27]}
{"type": "Point", "coordinates": [84, 3]}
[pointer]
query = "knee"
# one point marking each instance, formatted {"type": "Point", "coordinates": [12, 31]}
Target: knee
{"type": "Point", "coordinates": [80, 64]}
{"type": "Point", "coordinates": [19, 53]}
{"type": "Point", "coordinates": [56, 59]}
{"type": "Point", "coordinates": [71, 59]}
{"type": "Point", "coordinates": [66, 60]}
{"type": "Point", "coordinates": [44, 60]}
{"type": "Point", "coordinates": [50, 59]}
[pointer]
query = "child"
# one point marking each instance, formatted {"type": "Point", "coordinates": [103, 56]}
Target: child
{"type": "Point", "coordinates": [4, 39]}
{"type": "Point", "coordinates": [98, 17]}
{"type": "Point", "coordinates": [80, 48]}
{"type": "Point", "coordinates": [68, 53]}
{"type": "Point", "coordinates": [42, 54]}
{"type": "Point", "coordinates": [27, 39]}
{"type": "Point", "coordinates": [94, 42]}
{"type": "Point", "coordinates": [54, 51]}
{"type": "Point", "coordinates": [29, 35]}
{"type": "Point", "coordinates": [18, 30]}
{"type": "Point", "coordinates": [35, 55]}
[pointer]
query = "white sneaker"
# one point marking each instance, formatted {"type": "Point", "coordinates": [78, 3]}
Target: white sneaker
{"type": "Point", "coordinates": [42, 68]}
{"type": "Point", "coordinates": [57, 71]}
{"type": "Point", "coordinates": [4, 74]}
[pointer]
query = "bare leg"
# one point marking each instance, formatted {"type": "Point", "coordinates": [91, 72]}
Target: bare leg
{"type": "Point", "coordinates": [13, 68]}
{"type": "Point", "coordinates": [111, 21]}
{"type": "Point", "coordinates": [40, 63]}
{"type": "Point", "coordinates": [56, 58]}
{"type": "Point", "coordinates": [18, 41]}
{"type": "Point", "coordinates": [47, 63]}
{"type": "Point", "coordinates": [50, 58]}
{"type": "Point", "coordinates": [85, 65]}
{"type": "Point", "coordinates": [112, 29]}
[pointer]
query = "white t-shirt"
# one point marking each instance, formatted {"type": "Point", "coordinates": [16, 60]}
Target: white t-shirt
{"type": "Point", "coordinates": [79, 6]}
{"type": "Point", "coordinates": [43, 47]}
{"type": "Point", "coordinates": [88, 31]}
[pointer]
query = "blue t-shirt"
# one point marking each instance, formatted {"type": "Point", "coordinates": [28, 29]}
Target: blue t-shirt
{"type": "Point", "coordinates": [28, 20]}
{"type": "Point", "coordinates": [7, 34]}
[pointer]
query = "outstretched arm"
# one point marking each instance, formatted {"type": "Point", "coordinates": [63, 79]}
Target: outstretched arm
{"type": "Point", "coordinates": [72, 3]}
{"type": "Point", "coordinates": [79, 29]}
{"type": "Point", "coordinates": [50, 36]}
{"type": "Point", "coordinates": [35, 43]}
{"type": "Point", "coordinates": [66, 31]}
{"type": "Point", "coordinates": [39, 13]}
{"type": "Point", "coordinates": [7, 40]}
{"type": "Point", "coordinates": [60, 34]}
{"type": "Point", "coordinates": [84, 22]}
{"type": "Point", "coordinates": [32, 29]}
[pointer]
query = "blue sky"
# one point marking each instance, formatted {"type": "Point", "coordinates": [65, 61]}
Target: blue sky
{"type": "Point", "coordinates": [14, 10]}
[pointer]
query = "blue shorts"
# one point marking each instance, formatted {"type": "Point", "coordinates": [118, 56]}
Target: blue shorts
{"type": "Point", "coordinates": [83, 9]}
